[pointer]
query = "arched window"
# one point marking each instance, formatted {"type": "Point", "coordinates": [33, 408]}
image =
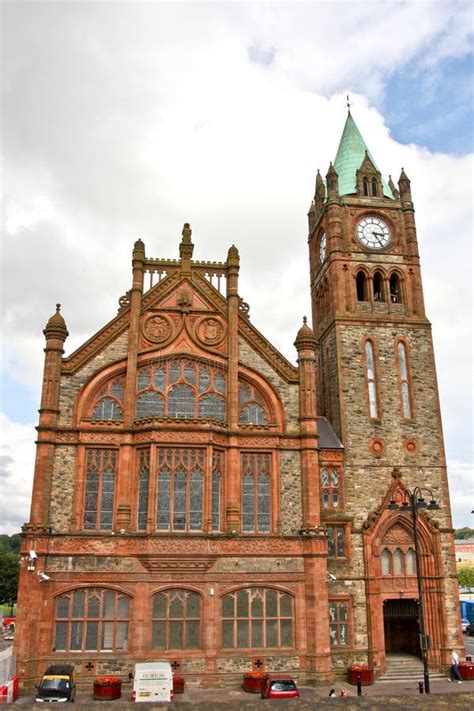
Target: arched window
{"type": "Point", "coordinates": [398, 567]}
{"type": "Point", "coordinates": [179, 503]}
{"type": "Point", "coordinates": [374, 187]}
{"type": "Point", "coordinates": [257, 618]}
{"type": "Point", "coordinates": [410, 562]}
{"type": "Point", "coordinates": [181, 388]}
{"type": "Point", "coordinates": [256, 472]}
{"type": "Point", "coordinates": [404, 380]}
{"type": "Point", "coordinates": [251, 406]}
{"type": "Point", "coordinates": [109, 403]}
{"type": "Point", "coordinates": [371, 381]}
{"type": "Point", "coordinates": [176, 620]}
{"type": "Point", "coordinates": [361, 286]}
{"type": "Point", "coordinates": [365, 184]}
{"type": "Point", "coordinates": [330, 488]}
{"type": "Point", "coordinates": [338, 623]}
{"type": "Point", "coordinates": [99, 503]}
{"type": "Point", "coordinates": [395, 290]}
{"type": "Point", "coordinates": [386, 561]}
{"type": "Point", "coordinates": [143, 488]}
{"type": "Point", "coordinates": [378, 287]}
{"type": "Point", "coordinates": [91, 620]}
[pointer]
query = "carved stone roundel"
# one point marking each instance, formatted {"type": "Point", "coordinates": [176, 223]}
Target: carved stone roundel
{"type": "Point", "coordinates": [157, 328]}
{"type": "Point", "coordinates": [210, 330]}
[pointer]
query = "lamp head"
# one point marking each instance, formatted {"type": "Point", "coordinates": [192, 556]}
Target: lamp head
{"type": "Point", "coordinates": [393, 506]}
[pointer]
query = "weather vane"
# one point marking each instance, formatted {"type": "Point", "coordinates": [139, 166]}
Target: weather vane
{"type": "Point", "coordinates": [348, 103]}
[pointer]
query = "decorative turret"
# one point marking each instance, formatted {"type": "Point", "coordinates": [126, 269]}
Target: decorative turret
{"type": "Point", "coordinates": [305, 336]}
{"type": "Point", "coordinates": [233, 259]}
{"type": "Point", "coordinates": [405, 190]}
{"type": "Point", "coordinates": [332, 183]}
{"type": "Point", "coordinates": [56, 326]}
{"type": "Point", "coordinates": [139, 250]}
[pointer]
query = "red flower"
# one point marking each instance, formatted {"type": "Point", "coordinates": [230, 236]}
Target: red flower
{"type": "Point", "coordinates": [106, 680]}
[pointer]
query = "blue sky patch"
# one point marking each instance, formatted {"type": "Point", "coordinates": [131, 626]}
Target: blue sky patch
{"type": "Point", "coordinates": [19, 402]}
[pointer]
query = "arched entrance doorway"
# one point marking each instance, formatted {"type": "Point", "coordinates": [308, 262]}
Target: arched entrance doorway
{"type": "Point", "coordinates": [401, 626]}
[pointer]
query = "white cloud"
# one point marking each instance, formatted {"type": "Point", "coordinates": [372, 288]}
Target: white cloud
{"type": "Point", "coordinates": [16, 473]}
{"type": "Point", "coordinates": [122, 121]}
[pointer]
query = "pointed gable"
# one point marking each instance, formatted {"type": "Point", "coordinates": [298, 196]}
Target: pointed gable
{"type": "Point", "coordinates": [350, 155]}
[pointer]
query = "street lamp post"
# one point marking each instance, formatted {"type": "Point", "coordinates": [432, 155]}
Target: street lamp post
{"type": "Point", "coordinates": [411, 504]}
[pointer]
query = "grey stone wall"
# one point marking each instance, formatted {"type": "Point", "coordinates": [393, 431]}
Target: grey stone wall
{"type": "Point", "coordinates": [291, 504]}
{"type": "Point", "coordinates": [62, 488]}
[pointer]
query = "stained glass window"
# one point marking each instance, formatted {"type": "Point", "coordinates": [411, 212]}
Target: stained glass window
{"type": "Point", "coordinates": [386, 561]}
{"type": "Point", "coordinates": [109, 405]}
{"type": "Point", "coordinates": [398, 562]}
{"type": "Point", "coordinates": [181, 388]}
{"type": "Point", "coordinates": [257, 618]}
{"type": "Point", "coordinates": [330, 488]}
{"type": "Point", "coordinates": [371, 383]}
{"type": "Point", "coordinates": [338, 623]}
{"type": "Point", "coordinates": [256, 472]}
{"type": "Point", "coordinates": [143, 488]}
{"type": "Point", "coordinates": [91, 619]}
{"type": "Point", "coordinates": [336, 541]}
{"type": "Point", "coordinates": [180, 489]}
{"type": "Point", "coordinates": [404, 380]}
{"type": "Point", "coordinates": [410, 563]}
{"type": "Point", "coordinates": [251, 407]}
{"type": "Point", "coordinates": [176, 620]}
{"type": "Point", "coordinates": [99, 502]}
{"type": "Point", "coordinates": [217, 475]}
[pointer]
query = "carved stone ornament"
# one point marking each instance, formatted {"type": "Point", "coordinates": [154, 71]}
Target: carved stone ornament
{"type": "Point", "coordinates": [184, 300]}
{"type": "Point", "coordinates": [244, 308]}
{"type": "Point", "coordinates": [397, 535]}
{"type": "Point", "coordinates": [157, 328]}
{"type": "Point", "coordinates": [124, 301]}
{"type": "Point", "coordinates": [210, 330]}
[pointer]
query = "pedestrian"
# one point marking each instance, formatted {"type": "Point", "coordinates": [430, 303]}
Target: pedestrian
{"type": "Point", "coordinates": [332, 693]}
{"type": "Point", "coordinates": [343, 693]}
{"type": "Point", "coordinates": [455, 675]}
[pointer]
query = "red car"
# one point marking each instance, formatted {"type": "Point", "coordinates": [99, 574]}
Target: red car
{"type": "Point", "coordinates": [279, 687]}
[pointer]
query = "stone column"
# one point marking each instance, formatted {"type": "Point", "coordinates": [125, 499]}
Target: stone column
{"type": "Point", "coordinates": [233, 460]}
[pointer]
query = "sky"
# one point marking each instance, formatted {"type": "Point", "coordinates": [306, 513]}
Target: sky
{"type": "Point", "coordinates": [125, 120]}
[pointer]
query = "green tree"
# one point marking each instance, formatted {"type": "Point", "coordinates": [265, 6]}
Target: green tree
{"type": "Point", "coordinates": [461, 534]}
{"type": "Point", "coordinates": [9, 572]}
{"type": "Point", "coordinates": [10, 544]}
{"type": "Point", "coordinates": [466, 576]}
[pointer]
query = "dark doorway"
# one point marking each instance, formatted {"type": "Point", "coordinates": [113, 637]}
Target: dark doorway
{"type": "Point", "coordinates": [400, 621]}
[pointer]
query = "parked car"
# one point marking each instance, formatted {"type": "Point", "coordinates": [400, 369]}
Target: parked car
{"type": "Point", "coordinates": [464, 625]}
{"type": "Point", "coordinates": [279, 687]}
{"type": "Point", "coordinates": [58, 684]}
{"type": "Point", "coordinates": [470, 629]}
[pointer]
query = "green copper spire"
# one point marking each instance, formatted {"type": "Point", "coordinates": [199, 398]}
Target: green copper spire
{"type": "Point", "coordinates": [350, 154]}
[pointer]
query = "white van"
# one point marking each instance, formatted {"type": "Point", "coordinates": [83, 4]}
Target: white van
{"type": "Point", "coordinates": [153, 681]}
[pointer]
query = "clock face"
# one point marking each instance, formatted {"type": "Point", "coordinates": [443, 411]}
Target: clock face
{"type": "Point", "coordinates": [373, 233]}
{"type": "Point", "coordinates": [322, 247]}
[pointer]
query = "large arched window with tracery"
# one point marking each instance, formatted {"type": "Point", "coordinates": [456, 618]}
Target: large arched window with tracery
{"type": "Point", "coordinates": [108, 404]}
{"type": "Point", "coordinates": [180, 487]}
{"type": "Point", "coordinates": [91, 620]}
{"type": "Point", "coordinates": [256, 478]}
{"type": "Point", "coordinates": [181, 388]}
{"type": "Point", "coordinates": [257, 618]}
{"type": "Point", "coordinates": [176, 620]}
{"type": "Point", "coordinates": [252, 409]}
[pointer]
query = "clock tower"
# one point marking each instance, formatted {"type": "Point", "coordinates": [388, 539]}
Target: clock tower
{"type": "Point", "coordinates": [378, 388]}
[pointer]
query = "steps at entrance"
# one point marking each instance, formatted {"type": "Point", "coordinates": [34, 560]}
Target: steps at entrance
{"type": "Point", "coordinates": [406, 667]}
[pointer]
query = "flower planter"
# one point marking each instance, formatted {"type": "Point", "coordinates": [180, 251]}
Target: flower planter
{"type": "Point", "coordinates": [466, 669]}
{"type": "Point", "coordinates": [178, 685]}
{"type": "Point", "coordinates": [253, 682]}
{"type": "Point", "coordinates": [366, 676]}
{"type": "Point", "coordinates": [108, 688]}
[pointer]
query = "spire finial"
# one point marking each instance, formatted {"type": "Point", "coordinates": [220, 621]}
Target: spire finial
{"type": "Point", "coordinates": [348, 104]}
{"type": "Point", "coordinates": [304, 320]}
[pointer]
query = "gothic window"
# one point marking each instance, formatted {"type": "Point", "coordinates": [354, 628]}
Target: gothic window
{"type": "Point", "coordinates": [216, 490]}
{"type": "Point", "coordinates": [101, 469]}
{"type": "Point", "coordinates": [361, 286]}
{"type": "Point", "coordinates": [386, 561]}
{"type": "Point", "coordinates": [336, 541]}
{"type": "Point", "coordinates": [365, 183]}
{"type": "Point", "coordinates": [410, 563]}
{"type": "Point", "coordinates": [374, 187]}
{"type": "Point", "coordinates": [397, 558]}
{"type": "Point", "coordinates": [371, 379]}
{"type": "Point", "coordinates": [143, 488]}
{"type": "Point", "coordinates": [251, 407]}
{"type": "Point", "coordinates": [182, 389]}
{"type": "Point", "coordinates": [176, 622]}
{"type": "Point", "coordinates": [91, 620]}
{"type": "Point", "coordinates": [330, 488]}
{"type": "Point", "coordinates": [339, 623]}
{"type": "Point", "coordinates": [255, 468]}
{"type": "Point", "coordinates": [109, 402]}
{"type": "Point", "coordinates": [395, 289]}
{"type": "Point", "coordinates": [404, 380]}
{"type": "Point", "coordinates": [180, 484]}
{"type": "Point", "coordinates": [378, 287]}
{"type": "Point", "coordinates": [257, 618]}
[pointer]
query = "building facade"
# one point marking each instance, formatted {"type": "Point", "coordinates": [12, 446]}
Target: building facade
{"type": "Point", "coordinates": [198, 498]}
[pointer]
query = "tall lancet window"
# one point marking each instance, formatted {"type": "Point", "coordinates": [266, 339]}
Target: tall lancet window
{"type": "Point", "coordinates": [371, 379]}
{"type": "Point", "coordinates": [404, 380]}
